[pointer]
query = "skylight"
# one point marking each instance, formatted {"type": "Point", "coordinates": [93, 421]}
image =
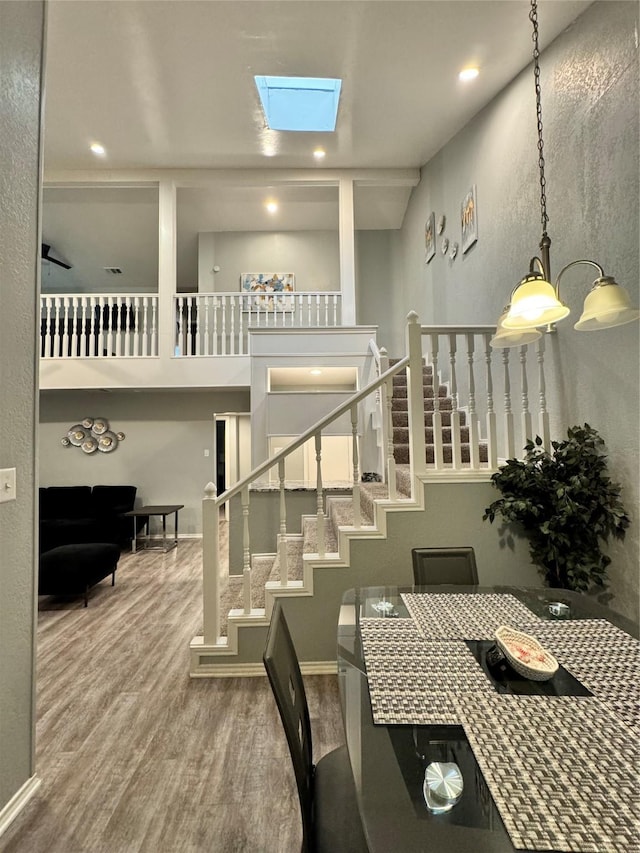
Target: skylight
{"type": "Point", "coordinates": [299, 103]}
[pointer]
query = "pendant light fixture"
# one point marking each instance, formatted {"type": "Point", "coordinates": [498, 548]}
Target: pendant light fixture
{"type": "Point", "coordinates": [535, 301]}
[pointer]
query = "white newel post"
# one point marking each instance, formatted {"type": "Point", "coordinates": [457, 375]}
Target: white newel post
{"type": "Point", "coordinates": [282, 536]}
{"type": "Point", "coordinates": [456, 449]}
{"type": "Point", "coordinates": [474, 431]}
{"type": "Point", "coordinates": [415, 396]}
{"type": "Point", "coordinates": [210, 565]}
{"type": "Point", "coordinates": [492, 446]}
{"type": "Point", "coordinates": [319, 497]}
{"type": "Point", "coordinates": [357, 519]}
{"type": "Point", "coordinates": [436, 419]}
{"type": "Point", "coordinates": [508, 414]}
{"type": "Point", "coordinates": [246, 552]}
{"type": "Point", "coordinates": [545, 435]}
{"type": "Point", "coordinates": [527, 430]}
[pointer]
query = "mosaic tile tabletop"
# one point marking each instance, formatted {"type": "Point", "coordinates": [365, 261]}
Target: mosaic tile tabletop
{"type": "Point", "coordinates": [560, 770]}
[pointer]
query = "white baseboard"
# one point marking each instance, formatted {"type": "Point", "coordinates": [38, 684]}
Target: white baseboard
{"type": "Point", "coordinates": [19, 800]}
{"type": "Point", "coordinates": [250, 670]}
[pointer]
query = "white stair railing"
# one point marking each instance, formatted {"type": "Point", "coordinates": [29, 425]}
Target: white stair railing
{"type": "Point", "coordinates": [464, 364]}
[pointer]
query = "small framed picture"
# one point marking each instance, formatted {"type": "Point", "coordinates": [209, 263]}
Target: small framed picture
{"type": "Point", "coordinates": [469, 219]}
{"type": "Point", "coordinates": [430, 238]}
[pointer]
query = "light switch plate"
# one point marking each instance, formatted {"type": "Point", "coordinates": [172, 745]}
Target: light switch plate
{"type": "Point", "coordinates": [7, 484]}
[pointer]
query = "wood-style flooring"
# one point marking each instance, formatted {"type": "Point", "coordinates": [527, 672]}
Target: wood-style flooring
{"type": "Point", "coordinates": [136, 756]}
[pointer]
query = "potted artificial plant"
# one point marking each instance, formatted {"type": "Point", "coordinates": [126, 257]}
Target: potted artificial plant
{"type": "Point", "coordinates": [566, 505]}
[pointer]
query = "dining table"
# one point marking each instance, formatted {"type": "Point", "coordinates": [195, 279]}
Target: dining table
{"type": "Point", "coordinates": [453, 750]}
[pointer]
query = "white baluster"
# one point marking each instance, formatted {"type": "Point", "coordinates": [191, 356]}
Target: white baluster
{"type": "Point", "coordinates": [543, 418]}
{"type": "Point", "coordinates": [232, 326]}
{"type": "Point", "coordinates": [527, 430]}
{"type": "Point", "coordinates": [242, 332]}
{"type": "Point", "coordinates": [320, 497]}
{"type": "Point", "coordinates": [210, 565]}
{"type": "Point", "coordinates": [357, 515]}
{"type": "Point", "coordinates": [223, 329]}
{"type": "Point", "coordinates": [64, 310]}
{"type": "Point", "coordinates": [282, 536]}
{"type": "Point", "coordinates": [391, 460]}
{"type": "Point", "coordinates": [334, 299]}
{"type": "Point", "coordinates": [74, 316]}
{"type": "Point", "coordinates": [216, 324]}
{"type": "Point", "coordinates": [474, 430]}
{"type": "Point", "coordinates": [308, 298]}
{"type": "Point", "coordinates": [154, 325]}
{"type": "Point", "coordinates": [146, 348]}
{"type": "Point", "coordinates": [84, 331]}
{"type": "Point", "coordinates": [48, 330]}
{"type": "Point", "coordinates": [246, 551]}
{"type": "Point", "coordinates": [508, 414]}
{"type": "Point", "coordinates": [436, 420]}
{"type": "Point", "coordinates": [492, 446]}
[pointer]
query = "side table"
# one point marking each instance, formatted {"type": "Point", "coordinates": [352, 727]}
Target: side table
{"type": "Point", "coordinates": [149, 511]}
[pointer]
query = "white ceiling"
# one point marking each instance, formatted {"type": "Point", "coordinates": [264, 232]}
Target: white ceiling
{"type": "Point", "coordinates": [169, 84]}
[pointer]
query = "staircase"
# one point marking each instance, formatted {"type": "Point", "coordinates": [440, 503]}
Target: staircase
{"type": "Point", "coordinates": [400, 420]}
{"type": "Point", "coordinates": [365, 539]}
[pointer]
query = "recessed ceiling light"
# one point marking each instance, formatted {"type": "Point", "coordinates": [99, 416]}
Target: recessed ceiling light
{"type": "Point", "coordinates": [271, 206]}
{"type": "Point", "coordinates": [319, 153]}
{"type": "Point", "coordinates": [299, 103]}
{"type": "Point", "coordinates": [97, 148]}
{"type": "Point", "coordinates": [468, 74]}
{"type": "Point", "coordinates": [315, 372]}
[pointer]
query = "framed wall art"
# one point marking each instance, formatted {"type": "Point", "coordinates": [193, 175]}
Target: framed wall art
{"type": "Point", "coordinates": [469, 219]}
{"type": "Point", "coordinates": [430, 238]}
{"type": "Point", "coordinates": [270, 289]}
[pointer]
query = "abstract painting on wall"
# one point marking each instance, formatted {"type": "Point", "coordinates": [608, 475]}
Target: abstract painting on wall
{"type": "Point", "coordinates": [469, 219]}
{"type": "Point", "coordinates": [270, 289]}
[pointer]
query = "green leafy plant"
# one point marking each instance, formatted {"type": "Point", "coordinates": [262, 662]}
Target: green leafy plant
{"type": "Point", "coordinates": [567, 506]}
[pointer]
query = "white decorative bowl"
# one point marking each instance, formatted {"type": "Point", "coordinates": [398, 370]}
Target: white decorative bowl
{"type": "Point", "coordinates": [525, 654]}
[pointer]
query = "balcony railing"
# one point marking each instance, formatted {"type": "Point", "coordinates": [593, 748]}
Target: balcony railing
{"type": "Point", "coordinates": [218, 323]}
{"type": "Point", "coordinates": [120, 325]}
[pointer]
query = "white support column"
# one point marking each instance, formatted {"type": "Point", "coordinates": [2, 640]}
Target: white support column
{"type": "Point", "coordinates": [347, 252]}
{"type": "Point", "coordinates": [166, 268]}
{"type": "Point", "coordinates": [210, 566]}
{"type": "Point", "coordinates": [415, 396]}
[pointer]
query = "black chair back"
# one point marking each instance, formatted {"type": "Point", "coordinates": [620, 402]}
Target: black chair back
{"type": "Point", "coordinates": [281, 663]}
{"type": "Point", "coordinates": [444, 565]}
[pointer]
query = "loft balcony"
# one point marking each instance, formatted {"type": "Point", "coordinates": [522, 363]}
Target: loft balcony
{"type": "Point", "coordinates": [124, 340]}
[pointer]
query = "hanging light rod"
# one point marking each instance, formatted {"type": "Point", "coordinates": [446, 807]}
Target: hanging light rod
{"type": "Point", "coordinates": [535, 302]}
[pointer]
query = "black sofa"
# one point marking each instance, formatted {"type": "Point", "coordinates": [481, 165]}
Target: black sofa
{"type": "Point", "coordinates": [71, 515]}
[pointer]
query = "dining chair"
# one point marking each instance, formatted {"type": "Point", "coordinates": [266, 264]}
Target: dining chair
{"type": "Point", "coordinates": [330, 816]}
{"type": "Point", "coordinates": [444, 565]}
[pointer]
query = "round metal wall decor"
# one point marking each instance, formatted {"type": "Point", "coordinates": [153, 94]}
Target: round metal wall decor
{"type": "Point", "coordinates": [92, 434]}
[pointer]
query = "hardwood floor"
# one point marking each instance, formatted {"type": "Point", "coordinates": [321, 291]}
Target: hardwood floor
{"type": "Point", "coordinates": [136, 756]}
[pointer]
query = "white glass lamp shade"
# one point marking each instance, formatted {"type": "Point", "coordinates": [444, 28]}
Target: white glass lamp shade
{"type": "Point", "coordinates": [607, 305]}
{"type": "Point", "coordinates": [534, 303]}
{"type": "Point", "coordinates": [505, 338]}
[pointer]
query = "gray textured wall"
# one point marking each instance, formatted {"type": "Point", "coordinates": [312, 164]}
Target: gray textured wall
{"type": "Point", "coordinates": [21, 40]}
{"type": "Point", "coordinates": [162, 454]}
{"type": "Point", "coordinates": [590, 115]}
